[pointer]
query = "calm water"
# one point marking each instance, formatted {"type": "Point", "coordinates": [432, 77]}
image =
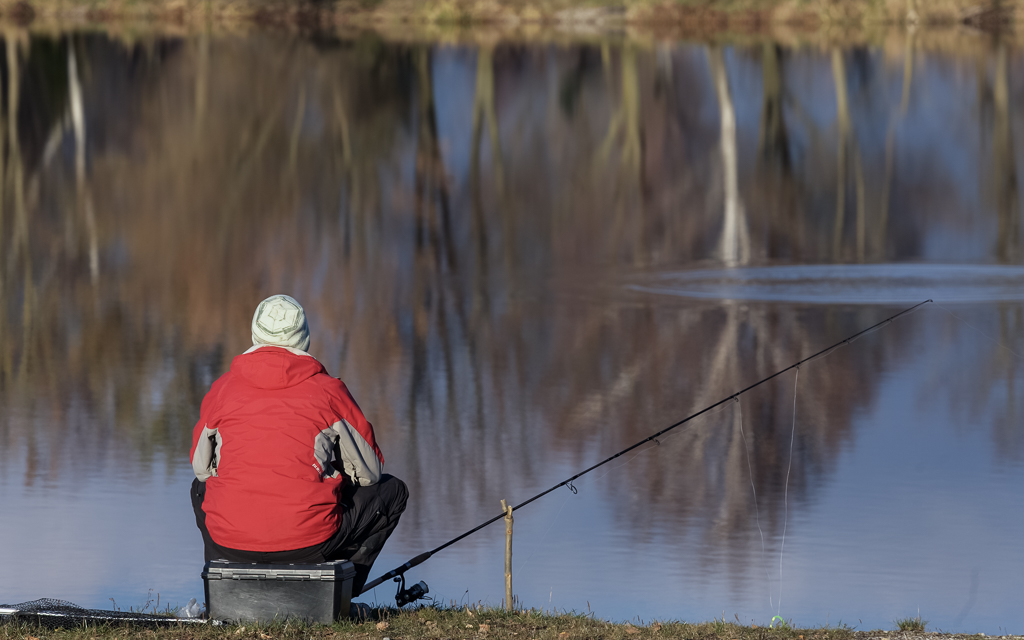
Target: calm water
{"type": "Point", "coordinates": [523, 258]}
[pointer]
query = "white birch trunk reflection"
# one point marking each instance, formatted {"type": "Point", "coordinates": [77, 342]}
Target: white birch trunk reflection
{"type": "Point", "coordinates": [735, 241]}
{"type": "Point", "coordinates": [85, 201]}
{"type": "Point", "coordinates": [440, 291]}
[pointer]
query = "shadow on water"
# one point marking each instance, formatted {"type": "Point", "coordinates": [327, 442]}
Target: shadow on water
{"type": "Point", "coordinates": [428, 205]}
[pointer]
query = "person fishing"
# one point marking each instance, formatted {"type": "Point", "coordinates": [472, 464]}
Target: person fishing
{"type": "Point", "coordinates": [287, 468]}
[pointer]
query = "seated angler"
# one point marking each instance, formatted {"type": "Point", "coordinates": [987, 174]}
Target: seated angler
{"type": "Point", "coordinates": [287, 467]}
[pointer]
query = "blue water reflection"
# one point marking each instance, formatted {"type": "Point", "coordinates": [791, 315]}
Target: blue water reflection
{"type": "Point", "coordinates": [522, 258]}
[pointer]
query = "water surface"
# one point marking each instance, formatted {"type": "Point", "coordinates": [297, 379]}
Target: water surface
{"type": "Point", "coordinates": [523, 258]}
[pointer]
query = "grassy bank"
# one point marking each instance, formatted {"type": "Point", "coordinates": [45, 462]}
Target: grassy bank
{"type": "Point", "coordinates": [580, 15]}
{"type": "Point", "coordinates": [466, 624]}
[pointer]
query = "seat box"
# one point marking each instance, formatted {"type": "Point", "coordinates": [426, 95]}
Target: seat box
{"type": "Point", "coordinates": [242, 592]}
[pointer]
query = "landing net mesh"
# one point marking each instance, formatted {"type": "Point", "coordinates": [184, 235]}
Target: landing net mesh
{"type": "Point", "coordinates": [61, 613]}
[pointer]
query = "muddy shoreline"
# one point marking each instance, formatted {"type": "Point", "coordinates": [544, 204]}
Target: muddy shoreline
{"type": "Point", "coordinates": [482, 20]}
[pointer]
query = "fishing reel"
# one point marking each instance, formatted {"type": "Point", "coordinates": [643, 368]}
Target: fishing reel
{"type": "Point", "coordinates": [412, 594]}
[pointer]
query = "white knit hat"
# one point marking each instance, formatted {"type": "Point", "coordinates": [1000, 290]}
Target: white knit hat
{"type": "Point", "coordinates": [281, 322]}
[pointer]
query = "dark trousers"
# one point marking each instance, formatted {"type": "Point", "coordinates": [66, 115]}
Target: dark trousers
{"type": "Point", "coordinates": [369, 516]}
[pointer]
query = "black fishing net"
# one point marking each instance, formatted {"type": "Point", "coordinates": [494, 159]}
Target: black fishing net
{"type": "Point", "coordinates": [61, 613]}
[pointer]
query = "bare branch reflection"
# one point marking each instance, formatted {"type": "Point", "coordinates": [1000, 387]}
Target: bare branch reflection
{"type": "Point", "coordinates": [475, 306]}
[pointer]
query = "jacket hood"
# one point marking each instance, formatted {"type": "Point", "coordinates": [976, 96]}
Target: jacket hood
{"type": "Point", "coordinates": [269, 367]}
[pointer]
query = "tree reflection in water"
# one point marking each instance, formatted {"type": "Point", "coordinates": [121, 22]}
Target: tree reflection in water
{"type": "Point", "coordinates": [152, 192]}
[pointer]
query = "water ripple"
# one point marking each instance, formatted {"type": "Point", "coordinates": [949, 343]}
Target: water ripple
{"type": "Point", "coordinates": [845, 284]}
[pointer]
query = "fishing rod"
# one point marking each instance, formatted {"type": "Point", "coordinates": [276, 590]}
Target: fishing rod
{"type": "Point", "coordinates": [406, 596]}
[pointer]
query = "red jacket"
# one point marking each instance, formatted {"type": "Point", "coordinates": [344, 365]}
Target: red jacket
{"type": "Point", "coordinates": [276, 439]}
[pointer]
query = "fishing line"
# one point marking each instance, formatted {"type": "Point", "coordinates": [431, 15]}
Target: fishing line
{"type": "Point", "coordinates": [757, 513]}
{"type": "Point", "coordinates": [423, 557]}
{"type": "Point", "coordinates": [995, 340]}
{"type": "Point", "coordinates": [543, 537]}
{"type": "Point", "coordinates": [785, 519]}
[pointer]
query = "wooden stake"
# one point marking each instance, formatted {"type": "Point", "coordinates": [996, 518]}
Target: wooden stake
{"type": "Point", "coordinates": [508, 555]}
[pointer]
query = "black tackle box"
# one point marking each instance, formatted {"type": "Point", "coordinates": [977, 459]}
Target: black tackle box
{"type": "Point", "coordinates": [243, 592]}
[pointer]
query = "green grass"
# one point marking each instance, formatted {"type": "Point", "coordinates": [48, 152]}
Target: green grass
{"type": "Point", "coordinates": [915, 625]}
{"type": "Point", "coordinates": [472, 623]}
{"type": "Point", "coordinates": [464, 623]}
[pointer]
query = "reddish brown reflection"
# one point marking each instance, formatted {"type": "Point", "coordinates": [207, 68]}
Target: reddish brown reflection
{"type": "Point", "coordinates": [153, 193]}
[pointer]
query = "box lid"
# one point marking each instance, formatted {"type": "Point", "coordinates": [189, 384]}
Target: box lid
{"type": "Point", "coordinates": [338, 570]}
